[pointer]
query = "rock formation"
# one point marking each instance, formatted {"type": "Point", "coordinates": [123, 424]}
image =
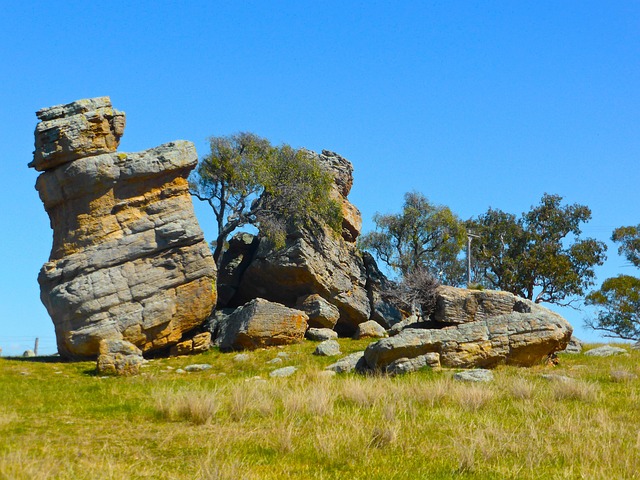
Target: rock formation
{"type": "Point", "coordinates": [128, 261]}
{"type": "Point", "coordinates": [321, 273]}
{"type": "Point", "coordinates": [524, 336]}
{"type": "Point", "coordinates": [257, 324]}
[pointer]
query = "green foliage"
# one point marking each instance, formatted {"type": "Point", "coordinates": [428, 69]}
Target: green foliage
{"type": "Point", "coordinates": [423, 235]}
{"type": "Point", "coordinates": [246, 180]}
{"type": "Point", "coordinates": [618, 302]}
{"type": "Point", "coordinates": [629, 238]}
{"type": "Point", "coordinates": [618, 299]}
{"type": "Point", "coordinates": [539, 256]}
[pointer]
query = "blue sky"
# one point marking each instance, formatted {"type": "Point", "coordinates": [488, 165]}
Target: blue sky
{"type": "Point", "coordinates": [474, 104]}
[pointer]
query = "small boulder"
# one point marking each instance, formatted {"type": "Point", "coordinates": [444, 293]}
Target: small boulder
{"type": "Point", "coordinates": [198, 344]}
{"type": "Point", "coordinates": [283, 372]}
{"type": "Point", "coordinates": [260, 323]}
{"type": "Point", "coordinates": [119, 357]}
{"type": "Point", "coordinates": [635, 346]}
{"type": "Point", "coordinates": [574, 346]}
{"type": "Point", "coordinates": [478, 375]}
{"type": "Point", "coordinates": [320, 312]}
{"type": "Point", "coordinates": [275, 361]}
{"type": "Point", "coordinates": [321, 334]}
{"type": "Point", "coordinates": [28, 353]}
{"type": "Point", "coordinates": [370, 329]}
{"type": "Point", "coordinates": [328, 348]}
{"type": "Point", "coordinates": [606, 351]}
{"type": "Point", "coordinates": [241, 357]}
{"type": "Point", "coordinates": [406, 365]}
{"type": "Point", "coordinates": [197, 367]}
{"type": "Point", "coordinates": [354, 361]}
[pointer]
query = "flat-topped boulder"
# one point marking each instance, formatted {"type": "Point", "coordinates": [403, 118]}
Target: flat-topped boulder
{"type": "Point", "coordinates": [128, 261]}
{"type": "Point", "coordinates": [515, 338]}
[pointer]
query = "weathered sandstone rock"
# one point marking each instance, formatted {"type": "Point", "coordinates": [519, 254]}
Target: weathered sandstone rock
{"type": "Point", "coordinates": [320, 334]}
{"type": "Point", "coordinates": [322, 264]}
{"type": "Point", "coordinates": [198, 344]}
{"type": "Point", "coordinates": [321, 313]}
{"type": "Point", "coordinates": [328, 348]}
{"type": "Point", "coordinates": [459, 305]}
{"type": "Point", "coordinates": [129, 261]}
{"type": "Point", "coordinates": [606, 351]}
{"type": "Point", "coordinates": [235, 260]}
{"type": "Point", "coordinates": [259, 323]}
{"type": "Point", "coordinates": [382, 310]}
{"type": "Point", "coordinates": [350, 363]}
{"type": "Point", "coordinates": [370, 329]}
{"type": "Point", "coordinates": [574, 346]}
{"type": "Point", "coordinates": [406, 365]}
{"type": "Point", "coordinates": [515, 338]}
{"type": "Point", "coordinates": [119, 357]}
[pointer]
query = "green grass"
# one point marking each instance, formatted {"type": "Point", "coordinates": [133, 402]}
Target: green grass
{"type": "Point", "coordinates": [61, 421]}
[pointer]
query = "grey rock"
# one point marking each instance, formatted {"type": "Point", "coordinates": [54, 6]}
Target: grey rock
{"type": "Point", "coordinates": [383, 311]}
{"type": "Point", "coordinates": [460, 305]}
{"type": "Point", "coordinates": [321, 313]}
{"type": "Point", "coordinates": [517, 338]}
{"type": "Point", "coordinates": [260, 323]}
{"type": "Point", "coordinates": [606, 351]}
{"type": "Point", "coordinates": [180, 370]}
{"type": "Point", "coordinates": [354, 361]}
{"type": "Point", "coordinates": [129, 261]}
{"type": "Point", "coordinates": [321, 334]}
{"type": "Point", "coordinates": [328, 348]}
{"type": "Point", "coordinates": [241, 357]}
{"type": "Point", "coordinates": [319, 263]}
{"type": "Point", "coordinates": [283, 372]}
{"type": "Point", "coordinates": [370, 329]}
{"type": "Point", "coordinates": [635, 346]}
{"type": "Point", "coordinates": [574, 346]}
{"type": "Point", "coordinates": [478, 375]}
{"type": "Point", "coordinates": [275, 361]}
{"type": "Point", "coordinates": [197, 367]}
{"type": "Point", "coordinates": [119, 357]}
{"type": "Point", "coordinates": [28, 354]}
{"type": "Point", "coordinates": [407, 365]}
{"type": "Point", "coordinates": [408, 322]}
{"type": "Point", "coordinates": [233, 264]}
{"type": "Point", "coordinates": [283, 355]}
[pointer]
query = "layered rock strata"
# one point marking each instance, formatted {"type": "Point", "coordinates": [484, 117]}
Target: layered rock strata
{"type": "Point", "coordinates": [129, 261]}
{"type": "Point", "coordinates": [515, 338]}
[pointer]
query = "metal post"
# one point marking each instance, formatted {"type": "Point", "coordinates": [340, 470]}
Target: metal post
{"type": "Point", "coordinates": [35, 347]}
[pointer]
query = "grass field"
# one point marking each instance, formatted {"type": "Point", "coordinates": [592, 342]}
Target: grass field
{"type": "Point", "coordinates": [61, 421]}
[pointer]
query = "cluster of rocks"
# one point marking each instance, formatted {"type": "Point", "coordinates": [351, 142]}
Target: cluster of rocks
{"type": "Point", "coordinates": [129, 261]}
{"type": "Point", "coordinates": [130, 273]}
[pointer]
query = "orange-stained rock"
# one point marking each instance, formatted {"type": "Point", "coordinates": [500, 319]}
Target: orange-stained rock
{"type": "Point", "coordinates": [129, 261]}
{"type": "Point", "coordinates": [259, 323]}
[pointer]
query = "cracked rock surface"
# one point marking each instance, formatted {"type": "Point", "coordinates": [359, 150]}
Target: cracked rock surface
{"type": "Point", "coordinates": [129, 261]}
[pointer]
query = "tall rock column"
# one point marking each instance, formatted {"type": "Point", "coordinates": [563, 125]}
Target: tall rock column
{"type": "Point", "coordinates": [129, 261]}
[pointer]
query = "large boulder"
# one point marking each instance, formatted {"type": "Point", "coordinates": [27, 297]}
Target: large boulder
{"type": "Point", "coordinates": [516, 338]}
{"type": "Point", "coordinates": [459, 305]}
{"type": "Point", "coordinates": [119, 357]}
{"type": "Point", "coordinates": [129, 261]}
{"type": "Point", "coordinates": [321, 263]}
{"type": "Point", "coordinates": [321, 313]}
{"type": "Point", "coordinates": [257, 324]}
{"type": "Point", "coordinates": [383, 311]}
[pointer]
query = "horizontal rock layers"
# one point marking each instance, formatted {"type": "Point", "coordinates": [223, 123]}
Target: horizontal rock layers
{"type": "Point", "coordinates": [524, 337]}
{"type": "Point", "coordinates": [129, 260]}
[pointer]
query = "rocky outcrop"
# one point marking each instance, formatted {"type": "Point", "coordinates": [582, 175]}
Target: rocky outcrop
{"type": "Point", "coordinates": [383, 311]}
{"type": "Point", "coordinates": [129, 261]}
{"type": "Point", "coordinates": [342, 171]}
{"type": "Point", "coordinates": [516, 338]}
{"type": "Point", "coordinates": [320, 263]}
{"type": "Point", "coordinates": [235, 260]}
{"type": "Point", "coordinates": [459, 305]}
{"type": "Point", "coordinates": [257, 324]}
{"type": "Point", "coordinates": [321, 313]}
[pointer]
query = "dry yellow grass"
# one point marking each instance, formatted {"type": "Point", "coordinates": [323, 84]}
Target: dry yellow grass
{"type": "Point", "coordinates": [226, 423]}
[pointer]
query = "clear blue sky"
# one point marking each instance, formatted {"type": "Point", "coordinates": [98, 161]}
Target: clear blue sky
{"type": "Point", "coordinates": [474, 104]}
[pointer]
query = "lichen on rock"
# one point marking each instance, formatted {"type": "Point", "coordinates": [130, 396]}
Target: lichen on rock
{"type": "Point", "coordinates": [129, 261]}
